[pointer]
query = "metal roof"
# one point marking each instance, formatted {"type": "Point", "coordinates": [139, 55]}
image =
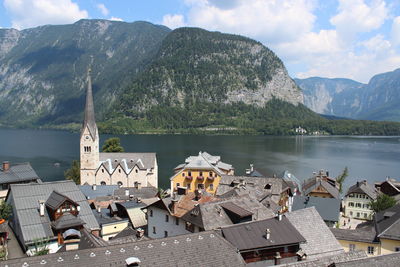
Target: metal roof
{"type": "Point", "coordinates": [56, 199]}
{"type": "Point", "coordinates": [89, 120]}
{"type": "Point", "coordinates": [101, 190]}
{"type": "Point", "coordinates": [18, 173]}
{"type": "Point", "coordinates": [232, 207]}
{"type": "Point", "coordinates": [358, 235]}
{"type": "Point", "coordinates": [328, 208]}
{"type": "Point", "coordinates": [67, 220]}
{"type": "Point", "coordinates": [252, 235]}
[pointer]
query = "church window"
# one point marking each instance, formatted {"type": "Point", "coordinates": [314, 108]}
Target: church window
{"type": "Point", "coordinates": [136, 171]}
{"type": "Point", "coordinates": [119, 170]}
{"type": "Point", "coordinates": [103, 183]}
{"type": "Point", "coordinates": [102, 170]}
{"type": "Point", "coordinates": [119, 183]}
{"type": "Point", "coordinates": [87, 136]}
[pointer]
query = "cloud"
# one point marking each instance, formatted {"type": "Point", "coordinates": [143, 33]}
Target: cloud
{"type": "Point", "coordinates": [103, 9]}
{"type": "Point", "coordinates": [395, 33]}
{"type": "Point", "coordinates": [31, 13]}
{"type": "Point", "coordinates": [116, 19]}
{"type": "Point", "coordinates": [173, 21]}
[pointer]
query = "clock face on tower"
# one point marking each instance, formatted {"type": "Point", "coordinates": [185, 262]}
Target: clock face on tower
{"type": "Point", "coordinates": [87, 137]}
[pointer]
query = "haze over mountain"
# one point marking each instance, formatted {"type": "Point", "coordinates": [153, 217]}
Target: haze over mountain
{"type": "Point", "coordinates": [377, 100]}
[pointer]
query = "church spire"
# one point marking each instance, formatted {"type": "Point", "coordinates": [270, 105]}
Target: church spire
{"type": "Point", "coordinates": [89, 120]}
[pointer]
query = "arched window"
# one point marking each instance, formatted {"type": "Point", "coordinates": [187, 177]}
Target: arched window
{"type": "Point", "coordinates": [136, 171]}
{"type": "Point", "coordinates": [119, 183]}
{"type": "Point", "coordinates": [103, 183]}
{"type": "Point", "coordinates": [119, 170]}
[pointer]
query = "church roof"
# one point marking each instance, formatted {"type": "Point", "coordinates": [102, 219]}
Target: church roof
{"type": "Point", "coordinates": [89, 120]}
{"type": "Point", "coordinates": [127, 161]}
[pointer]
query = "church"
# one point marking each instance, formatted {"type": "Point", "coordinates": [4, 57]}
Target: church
{"type": "Point", "coordinates": [123, 169]}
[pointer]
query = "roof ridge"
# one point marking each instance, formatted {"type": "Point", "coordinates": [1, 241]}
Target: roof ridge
{"type": "Point", "coordinates": [389, 227]}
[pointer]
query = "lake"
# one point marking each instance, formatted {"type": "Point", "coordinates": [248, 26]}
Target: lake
{"type": "Point", "coordinates": [370, 158]}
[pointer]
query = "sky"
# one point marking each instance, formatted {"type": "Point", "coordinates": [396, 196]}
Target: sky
{"type": "Point", "coordinates": [353, 39]}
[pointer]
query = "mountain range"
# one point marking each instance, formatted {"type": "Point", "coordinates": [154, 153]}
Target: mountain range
{"type": "Point", "coordinates": [377, 100]}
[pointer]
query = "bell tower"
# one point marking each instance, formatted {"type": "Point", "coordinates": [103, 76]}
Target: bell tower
{"type": "Point", "coordinates": [89, 143]}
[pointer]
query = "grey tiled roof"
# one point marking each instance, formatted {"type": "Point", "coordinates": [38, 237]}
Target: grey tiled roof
{"type": "Point", "coordinates": [389, 260]}
{"type": "Point", "coordinates": [328, 208]}
{"type": "Point", "coordinates": [252, 235]}
{"type": "Point", "coordinates": [319, 239]}
{"type": "Point", "coordinates": [101, 190]}
{"type": "Point", "coordinates": [87, 241]}
{"type": "Point", "coordinates": [314, 182]}
{"type": "Point", "coordinates": [67, 220]}
{"type": "Point", "coordinates": [332, 260]}
{"type": "Point", "coordinates": [387, 223]}
{"type": "Point", "coordinates": [143, 193]}
{"type": "Point", "coordinates": [25, 201]}
{"type": "Point", "coordinates": [359, 235]}
{"type": "Point", "coordinates": [363, 188]}
{"type": "Point", "coordinates": [18, 173]}
{"type": "Point", "coordinates": [199, 249]}
{"type": "Point", "coordinates": [56, 199]}
{"type": "Point", "coordinates": [128, 160]}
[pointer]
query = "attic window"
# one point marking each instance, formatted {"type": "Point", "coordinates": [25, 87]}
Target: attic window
{"type": "Point", "coordinates": [102, 170]}
{"type": "Point", "coordinates": [267, 186]}
{"type": "Point", "coordinates": [132, 261]}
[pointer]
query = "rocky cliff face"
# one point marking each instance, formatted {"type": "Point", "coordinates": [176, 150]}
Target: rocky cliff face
{"type": "Point", "coordinates": [377, 100]}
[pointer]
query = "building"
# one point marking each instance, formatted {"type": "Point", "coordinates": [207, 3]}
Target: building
{"type": "Point", "coordinates": [328, 208]}
{"type": "Point", "coordinates": [390, 187]}
{"type": "Point", "coordinates": [123, 169]}
{"type": "Point", "coordinates": [271, 242]}
{"type": "Point", "coordinates": [200, 249]}
{"type": "Point", "coordinates": [378, 237]}
{"type": "Point", "coordinates": [357, 200]}
{"type": "Point", "coordinates": [201, 172]}
{"type": "Point", "coordinates": [15, 174]}
{"type": "Point", "coordinates": [321, 185]}
{"type": "Point", "coordinates": [54, 211]}
{"type": "Point", "coordinates": [110, 225]}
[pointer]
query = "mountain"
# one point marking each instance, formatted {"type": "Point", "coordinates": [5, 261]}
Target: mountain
{"type": "Point", "coordinates": [43, 70]}
{"type": "Point", "coordinates": [377, 100]}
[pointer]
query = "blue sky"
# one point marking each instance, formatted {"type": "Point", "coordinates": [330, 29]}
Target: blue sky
{"type": "Point", "coordinates": [329, 38]}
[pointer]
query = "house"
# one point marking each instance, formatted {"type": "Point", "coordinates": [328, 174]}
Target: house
{"type": "Point", "coordinates": [123, 169]}
{"type": "Point", "coordinates": [321, 185]}
{"type": "Point", "coordinates": [15, 174]}
{"type": "Point", "coordinates": [110, 225]}
{"type": "Point", "coordinates": [272, 241]}
{"type": "Point", "coordinates": [202, 172]}
{"type": "Point", "coordinates": [378, 237]}
{"type": "Point", "coordinates": [390, 187]}
{"type": "Point", "coordinates": [357, 200]}
{"type": "Point", "coordinates": [53, 211]}
{"type": "Point", "coordinates": [273, 192]}
{"type": "Point", "coordinates": [328, 208]}
{"type": "Point", "coordinates": [195, 249]}
{"type": "Point", "coordinates": [320, 242]}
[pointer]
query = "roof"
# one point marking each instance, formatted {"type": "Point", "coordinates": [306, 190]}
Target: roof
{"type": "Point", "coordinates": [18, 173]}
{"type": "Point", "coordinates": [103, 217]}
{"type": "Point", "coordinates": [128, 160]}
{"type": "Point", "coordinates": [314, 182]}
{"type": "Point", "coordinates": [239, 211]}
{"type": "Point", "coordinates": [87, 241]}
{"type": "Point", "coordinates": [387, 223]}
{"type": "Point", "coordinates": [320, 241]}
{"type": "Point", "coordinates": [128, 235]}
{"type": "Point", "coordinates": [331, 260]}
{"type": "Point", "coordinates": [67, 220]}
{"type": "Point", "coordinates": [212, 215]}
{"type": "Point", "coordinates": [363, 188]}
{"type": "Point", "coordinates": [101, 190]}
{"type": "Point", "coordinates": [56, 199]}
{"type": "Point", "coordinates": [143, 192]}
{"type": "Point", "coordinates": [389, 260]}
{"type": "Point", "coordinates": [328, 208]}
{"type": "Point", "coordinates": [252, 235]}
{"type": "Point", "coordinates": [205, 249]}
{"type": "Point", "coordinates": [358, 235]}
{"type": "Point", "coordinates": [89, 120]}
{"type": "Point", "coordinates": [25, 201]}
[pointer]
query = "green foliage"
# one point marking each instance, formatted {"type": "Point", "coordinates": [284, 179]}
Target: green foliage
{"type": "Point", "coordinates": [5, 210]}
{"type": "Point", "coordinates": [41, 246]}
{"type": "Point", "coordinates": [383, 202]}
{"type": "Point", "coordinates": [112, 144]}
{"type": "Point", "coordinates": [162, 193]}
{"type": "Point", "coordinates": [74, 173]}
{"type": "Point", "coordinates": [340, 179]}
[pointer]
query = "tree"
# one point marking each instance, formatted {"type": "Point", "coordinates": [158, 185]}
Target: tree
{"type": "Point", "coordinates": [383, 202]}
{"type": "Point", "coordinates": [74, 173]}
{"type": "Point", "coordinates": [340, 179]}
{"type": "Point", "coordinates": [112, 145]}
{"type": "Point", "coordinates": [5, 210]}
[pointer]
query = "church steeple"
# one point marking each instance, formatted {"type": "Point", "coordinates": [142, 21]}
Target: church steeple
{"type": "Point", "coordinates": [89, 120]}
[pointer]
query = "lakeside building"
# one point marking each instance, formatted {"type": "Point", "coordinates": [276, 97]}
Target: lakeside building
{"type": "Point", "coordinates": [357, 200]}
{"type": "Point", "coordinates": [123, 169]}
{"type": "Point", "coordinates": [202, 172]}
{"type": "Point", "coordinates": [390, 187]}
{"type": "Point", "coordinates": [15, 174]}
{"type": "Point", "coordinates": [378, 237]}
{"type": "Point", "coordinates": [321, 185]}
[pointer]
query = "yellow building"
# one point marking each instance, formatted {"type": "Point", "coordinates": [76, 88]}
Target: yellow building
{"type": "Point", "coordinates": [200, 172]}
{"type": "Point", "coordinates": [378, 238]}
{"type": "Point", "coordinates": [110, 226]}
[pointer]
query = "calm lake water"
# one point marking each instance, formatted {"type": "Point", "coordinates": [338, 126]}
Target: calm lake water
{"type": "Point", "coordinates": [370, 158]}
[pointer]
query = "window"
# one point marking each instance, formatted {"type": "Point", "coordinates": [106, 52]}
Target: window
{"type": "Point", "coordinates": [366, 206]}
{"type": "Point", "coordinates": [352, 247]}
{"type": "Point", "coordinates": [178, 184]}
{"type": "Point", "coordinates": [210, 174]}
{"type": "Point", "coordinates": [166, 218]}
{"type": "Point", "coordinates": [183, 174]}
{"type": "Point", "coordinates": [358, 215]}
{"type": "Point", "coordinates": [102, 170]}
{"type": "Point", "coordinates": [201, 174]}
{"type": "Point", "coordinates": [177, 221]}
{"type": "Point", "coordinates": [351, 204]}
{"type": "Point", "coordinates": [119, 183]}
{"type": "Point", "coordinates": [351, 213]}
{"type": "Point", "coordinates": [103, 183]}
{"type": "Point", "coordinates": [211, 187]}
{"type": "Point", "coordinates": [154, 230]}
{"type": "Point", "coordinates": [87, 149]}
{"type": "Point", "coordinates": [267, 186]}
{"type": "Point", "coordinates": [358, 205]}
{"type": "Point", "coordinates": [397, 249]}
{"type": "Point", "coordinates": [188, 186]}
{"type": "Point", "coordinates": [365, 215]}
{"type": "Point", "coordinates": [165, 233]}
{"type": "Point", "coordinates": [200, 186]}
{"type": "Point", "coordinates": [189, 173]}
{"type": "Point", "coordinates": [151, 213]}
{"type": "Point", "coordinates": [119, 170]}
{"type": "Point", "coordinates": [136, 171]}
{"type": "Point", "coordinates": [371, 250]}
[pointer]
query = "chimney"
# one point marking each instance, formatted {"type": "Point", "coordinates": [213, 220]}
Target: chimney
{"type": "Point", "coordinates": [127, 192]}
{"type": "Point", "coordinates": [327, 173]}
{"type": "Point", "coordinates": [41, 208]}
{"type": "Point", "coordinates": [277, 258]}
{"type": "Point", "coordinates": [138, 200]}
{"type": "Point", "coordinates": [6, 166]}
{"type": "Point", "coordinates": [267, 234]}
{"type": "Point", "coordinates": [99, 209]}
{"type": "Point", "coordinates": [251, 167]}
{"type": "Point", "coordinates": [174, 200]}
{"type": "Point", "coordinates": [197, 194]}
{"type": "Point", "coordinates": [279, 216]}
{"type": "Point", "coordinates": [138, 185]}
{"type": "Point", "coordinates": [139, 233]}
{"type": "Point", "coordinates": [94, 187]}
